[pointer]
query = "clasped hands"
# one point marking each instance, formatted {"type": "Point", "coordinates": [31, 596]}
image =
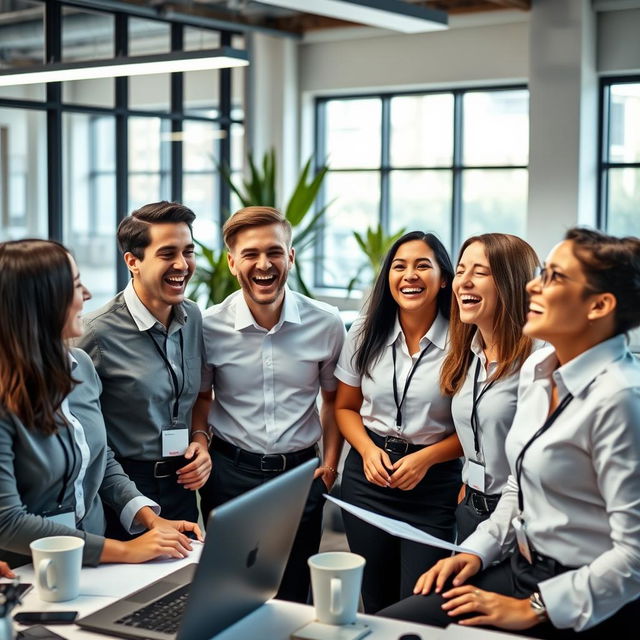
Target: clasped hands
{"type": "Point", "coordinates": [404, 474]}
{"type": "Point", "coordinates": [494, 609]}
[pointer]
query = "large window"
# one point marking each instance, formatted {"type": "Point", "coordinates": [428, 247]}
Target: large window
{"type": "Point", "coordinates": [620, 159]}
{"type": "Point", "coordinates": [77, 157]}
{"type": "Point", "coordinates": [450, 162]}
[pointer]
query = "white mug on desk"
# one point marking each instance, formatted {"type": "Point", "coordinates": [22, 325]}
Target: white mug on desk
{"type": "Point", "coordinates": [336, 577]}
{"type": "Point", "coordinates": [57, 562]}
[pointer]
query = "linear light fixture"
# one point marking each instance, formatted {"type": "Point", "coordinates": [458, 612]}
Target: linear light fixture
{"type": "Point", "coordinates": [204, 59]}
{"type": "Point", "coordinates": [386, 14]}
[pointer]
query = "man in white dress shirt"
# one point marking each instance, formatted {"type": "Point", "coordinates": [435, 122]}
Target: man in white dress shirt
{"type": "Point", "coordinates": [269, 350]}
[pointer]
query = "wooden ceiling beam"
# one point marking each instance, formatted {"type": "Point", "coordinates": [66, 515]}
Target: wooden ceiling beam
{"type": "Point", "coordinates": [523, 5]}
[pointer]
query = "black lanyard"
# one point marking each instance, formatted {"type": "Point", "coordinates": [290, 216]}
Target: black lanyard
{"type": "Point", "coordinates": [400, 402]}
{"type": "Point", "coordinates": [548, 422]}
{"type": "Point", "coordinates": [68, 468]}
{"type": "Point", "coordinates": [172, 373]}
{"type": "Point", "coordinates": [475, 423]}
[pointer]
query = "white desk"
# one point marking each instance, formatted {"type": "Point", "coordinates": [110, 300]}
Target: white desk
{"type": "Point", "coordinates": [275, 620]}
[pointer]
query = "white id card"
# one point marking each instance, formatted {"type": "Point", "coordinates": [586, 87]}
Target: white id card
{"type": "Point", "coordinates": [475, 477]}
{"type": "Point", "coordinates": [67, 517]}
{"type": "Point", "coordinates": [175, 440]}
{"type": "Point", "coordinates": [521, 538]}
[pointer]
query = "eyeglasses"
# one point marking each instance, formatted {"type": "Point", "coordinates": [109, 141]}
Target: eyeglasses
{"type": "Point", "coordinates": [547, 276]}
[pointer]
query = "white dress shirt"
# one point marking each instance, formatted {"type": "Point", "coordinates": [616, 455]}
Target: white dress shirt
{"type": "Point", "coordinates": [495, 410]}
{"type": "Point", "coordinates": [426, 413]}
{"type": "Point", "coordinates": [580, 482]}
{"type": "Point", "coordinates": [266, 383]}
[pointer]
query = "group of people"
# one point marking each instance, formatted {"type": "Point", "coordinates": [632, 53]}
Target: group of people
{"type": "Point", "coordinates": [491, 402]}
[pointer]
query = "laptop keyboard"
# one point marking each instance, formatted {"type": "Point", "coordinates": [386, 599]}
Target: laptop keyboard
{"type": "Point", "coordinates": [162, 615]}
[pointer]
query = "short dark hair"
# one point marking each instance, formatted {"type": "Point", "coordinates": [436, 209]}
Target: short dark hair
{"type": "Point", "coordinates": [611, 265]}
{"type": "Point", "coordinates": [133, 231]}
{"type": "Point", "coordinates": [382, 308]}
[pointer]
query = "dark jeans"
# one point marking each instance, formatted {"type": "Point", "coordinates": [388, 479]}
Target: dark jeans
{"type": "Point", "coordinates": [517, 578]}
{"type": "Point", "coordinates": [394, 564]}
{"type": "Point", "coordinates": [229, 480]}
{"type": "Point", "coordinates": [176, 502]}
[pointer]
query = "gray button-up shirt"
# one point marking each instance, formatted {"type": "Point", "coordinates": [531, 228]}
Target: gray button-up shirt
{"type": "Point", "coordinates": [580, 482]}
{"type": "Point", "coordinates": [33, 468]}
{"type": "Point", "coordinates": [137, 391]}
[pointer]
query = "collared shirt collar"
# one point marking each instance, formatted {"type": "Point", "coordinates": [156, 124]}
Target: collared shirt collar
{"type": "Point", "coordinates": [437, 333]}
{"type": "Point", "coordinates": [143, 318]}
{"type": "Point", "coordinates": [577, 374]}
{"type": "Point", "coordinates": [73, 361]}
{"type": "Point", "coordinates": [289, 313]}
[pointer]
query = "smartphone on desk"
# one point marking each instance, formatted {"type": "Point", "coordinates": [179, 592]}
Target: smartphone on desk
{"type": "Point", "coordinates": [21, 588]}
{"type": "Point", "coordinates": [38, 633]}
{"type": "Point", "coordinates": [45, 617]}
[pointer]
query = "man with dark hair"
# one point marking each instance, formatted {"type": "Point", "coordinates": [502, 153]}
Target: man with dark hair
{"type": "Point", "coordinates": [146, 345]}
{"type": "Point", "coordinates": [270, 351]}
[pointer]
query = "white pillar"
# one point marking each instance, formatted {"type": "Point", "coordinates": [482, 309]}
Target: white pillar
{"type": "Point", "coordinates": [563, 120]}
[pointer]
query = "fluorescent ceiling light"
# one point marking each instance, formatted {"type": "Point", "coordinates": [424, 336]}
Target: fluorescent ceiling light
{"type": "Point", "coordinates": [386, 14]}
{"type": "Point", "coordinates": [134, 66]}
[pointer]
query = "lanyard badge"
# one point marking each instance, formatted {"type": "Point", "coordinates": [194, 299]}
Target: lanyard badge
{"type": "Point", "coordinates": [400, 401]}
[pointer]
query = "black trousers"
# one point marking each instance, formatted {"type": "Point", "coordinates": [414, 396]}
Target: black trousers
{"type": "Point", "coordinates": [229, 480]}
{"type": "Point", "coordinates": [176, 502]}
{"type": "Point", "coordinates": [517, 578]}
{"type": "Point", "coordinates": [470, 513]}
{"type": "Point", "coordinates": [394, 564]}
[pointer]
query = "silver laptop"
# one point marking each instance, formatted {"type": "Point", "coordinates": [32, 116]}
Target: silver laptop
{"type": "Point", "coordinates": [246, 550]}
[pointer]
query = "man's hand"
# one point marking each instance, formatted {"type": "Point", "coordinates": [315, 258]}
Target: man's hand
{"type": "Point", "coordinates": [462, 565]}
{"type": "Point", "coordinates": [496, 610]}
{"type": "Point", "coordinates": [195, 474]}
{"type": "Point", "coordinates": [328, 475]}
{"type": "Point", "coordinates": [5, 571]}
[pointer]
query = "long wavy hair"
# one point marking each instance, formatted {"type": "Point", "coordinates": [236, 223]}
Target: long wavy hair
{"type": "Point", "coordinates": [382, 308]}
{"type": "Point", "coordinates": [512, 262]}
{"type": "Point", "coordinates": [36, 289]}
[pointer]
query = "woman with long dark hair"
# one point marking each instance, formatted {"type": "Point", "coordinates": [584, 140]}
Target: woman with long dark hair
{"type": "Point", "coordinates": [482, 367]}
{"type": "Point", "coordinates": [403, 462]}
{"type": "Point", "coordinates": [55, 465]}
{"type": "Point", "coordinates": [572, 501]}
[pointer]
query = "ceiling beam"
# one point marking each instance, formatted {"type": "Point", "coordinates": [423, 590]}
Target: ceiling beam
{"type": "Point", "coordinates": [523, 5]}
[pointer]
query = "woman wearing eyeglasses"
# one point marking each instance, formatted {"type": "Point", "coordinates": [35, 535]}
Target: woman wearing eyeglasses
{"type": "Point", "coordinates": [572, 501]}
{"type": "Point", "coordinates": [482, 367]}
{"type": "Point", "coordinates": [403, 462]}
{"type": "Point", "coordinates": [55, 465]}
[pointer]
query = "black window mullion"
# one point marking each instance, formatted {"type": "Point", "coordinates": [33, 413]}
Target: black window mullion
{"type": "Point", "coordinates": [603, 158]}
{"type": "Point", "coordinates": [53, 53]}
{"type": "Point", "coordinates": [320, 159]}
{"type": "Point", "coordinates": [225, 106]}
{"type": "Point", "coordinates": [177, 107]}
{"type": "Point", "coordinates": [385, 143]}
{"type": "Point", "coordinates": [121, 141]}
{"type": "Point", "coordinates": [456, 199]}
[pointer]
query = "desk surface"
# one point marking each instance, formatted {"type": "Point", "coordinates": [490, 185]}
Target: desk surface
{"type": "Point", "coordinates": [276, 619]}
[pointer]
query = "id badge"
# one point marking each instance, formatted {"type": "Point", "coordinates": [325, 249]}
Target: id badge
{"type": "Point", "coordinates": [62, 515]}
{"type": "Point", "coordinates": [475, 477]}
{"type": "Point", "coordinates": [175, 440]}
{"type": "Point", "coordinates": [521, 538]}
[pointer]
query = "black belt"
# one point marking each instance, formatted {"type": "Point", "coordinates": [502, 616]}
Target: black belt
{"type": "Point", "coordinates": [483, 503]}
{"type": "Point", "coordinates": [394, 444]}
{"type": "Point", "coordinates": [262, 462]}
{"type": "Point", "coordinates": [548, 564]}
{"type": "Point", "coordinates": [163, 468]}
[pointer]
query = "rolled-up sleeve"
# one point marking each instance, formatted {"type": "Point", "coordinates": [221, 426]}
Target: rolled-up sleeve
{"type": "Point", "coordinates": [586, 596]}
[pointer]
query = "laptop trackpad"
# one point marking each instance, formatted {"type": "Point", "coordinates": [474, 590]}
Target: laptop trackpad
{"type": "Point", "coordinates": [153, 592]}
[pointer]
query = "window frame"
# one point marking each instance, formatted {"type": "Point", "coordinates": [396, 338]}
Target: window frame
{"type": "Point", "coordinates": [384, 168]}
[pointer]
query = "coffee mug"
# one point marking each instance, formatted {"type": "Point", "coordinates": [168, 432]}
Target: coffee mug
{"type": "Point", "coordinates": [336, 577]}
{"type": "Point", "coordinates": [57, 562]}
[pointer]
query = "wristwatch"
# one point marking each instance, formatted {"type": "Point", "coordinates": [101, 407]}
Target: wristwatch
{"type": "Point", "coordinates": [538, 606]}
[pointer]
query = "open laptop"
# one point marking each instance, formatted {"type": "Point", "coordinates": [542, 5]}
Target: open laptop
{"type": "Point", "coordinates": [245, 552]}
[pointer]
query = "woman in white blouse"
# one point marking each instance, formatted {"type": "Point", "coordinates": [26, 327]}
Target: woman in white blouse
{"type": "Point", "coordinates": [482, 367]}
{"type": "Point", "coordinates": [404, 457]}
{"type": "Point", "coordinates": [572, 502]}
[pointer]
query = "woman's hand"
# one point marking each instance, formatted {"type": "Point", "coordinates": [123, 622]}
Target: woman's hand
{"type": "Point", "coordinates": [409, 470]}
{"type": "Point", "coordinates": [5, 571]}
{"type": "Point", "coordinates": [184, 526]}
{"type": "Point", "coordinates": [155, 543]}
{"type": "Point", "coordinates": [376, 464]}
{"type": "Point", "coordinates": [462, 565]}
{"type": "Point", "coordinates": [496, 610]}
{"type": "Point", "coordinates": [195, 474]}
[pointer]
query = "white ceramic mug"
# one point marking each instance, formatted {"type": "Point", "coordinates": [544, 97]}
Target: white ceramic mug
{"type": "Point", "coordinates": [336, 577]}
{"type": "Point", "coordinates": [57, 562]}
